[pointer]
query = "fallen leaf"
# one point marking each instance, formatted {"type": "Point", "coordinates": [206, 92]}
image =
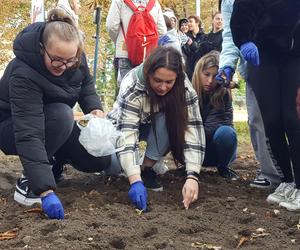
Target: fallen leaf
{"type": "Point", "coordinates": [205, 246]}
{"type": "Point", "coordinates": [138, 211]}
{"type": "Point", "coordinates": [34, 210]}
{"type": "Point", "coordinates": [9, 234]}
{"type": "Point", "coordinates": [242, 241]}
{"type": "Point", "coordinates": [3, 201]}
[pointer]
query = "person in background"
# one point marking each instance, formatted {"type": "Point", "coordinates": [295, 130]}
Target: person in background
{"type": "Point", "coordinates": [217, 114]}
{"type": "Point", "coordinates": [271, 48]}
{"type": "Point", "coordinates": [171, 38]}
{"type": "Point", "coordinates": [267, 176]}
{"type": "Point", "coordinates": [183, 25]}
{"type": "Point", "coordinates": [215, 36]}
{"type": "Point", "coordinates": [120, 14]}
{"type": "Point", "coordinates": [158, 104]}
{"type": "Point", "coordinates": [71, 7]}
{"type": "Point", "coordinates": [38, 90]}
{"type": "Point", "coordinates": [170, 14]}
{"type": "Point", "coordinates": [191, 47]}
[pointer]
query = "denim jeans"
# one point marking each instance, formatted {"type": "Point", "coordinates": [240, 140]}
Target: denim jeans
{"type": "Point", "coordinates": [157, 141]}
{"type": "Point", "coordinates": [124, 66]}
{"type": "Point", "coordinates": [221, 150]}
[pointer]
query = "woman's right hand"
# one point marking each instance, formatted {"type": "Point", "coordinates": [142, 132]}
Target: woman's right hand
{"type": "Point", "coordinates": [52, 206]}
{"type": "Point", "coordinates": [137, 192]}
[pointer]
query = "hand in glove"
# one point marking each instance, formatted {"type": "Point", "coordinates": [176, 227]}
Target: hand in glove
{"type": "Point", "coordinates": [52, 206]}
{"type": "Point", "coordinates": [138, 195]}
{"type": "Point", "coordinates": [163, 40]}
{"type": "Point", "coordinates": [224, 76]}
{"type": "Point", "coordinates": [250, 53]}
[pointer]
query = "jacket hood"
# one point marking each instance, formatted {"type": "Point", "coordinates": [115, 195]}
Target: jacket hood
{"type": "Point", "coordinates": [27, 47]}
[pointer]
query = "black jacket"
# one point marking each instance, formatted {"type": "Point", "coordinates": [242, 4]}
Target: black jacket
{"type": "Point", "coordinates": [25, 88]}
{"type": "Point", "coordinates": [213, 117]}
{"type": "Point", "coordinates": [273, 25]}
{"type": "Point", "coordinates": [191, 52]}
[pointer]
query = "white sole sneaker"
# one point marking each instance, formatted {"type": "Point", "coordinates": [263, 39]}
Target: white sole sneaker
{"type": "Point", "coordinates": [26, 201]}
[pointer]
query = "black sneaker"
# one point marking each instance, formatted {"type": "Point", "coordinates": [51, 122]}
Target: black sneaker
{"type": "Point", "coordinates": [228, 174]}
{"type": "Point", "coordinates": [150, 180]}
{"type": "Point", "coordinates": [261, 183]}
{"type": "Point", "coordinates": [24, 195]}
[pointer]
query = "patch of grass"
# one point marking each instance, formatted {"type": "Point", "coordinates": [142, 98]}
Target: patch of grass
{"type": "Point", "coordinates": [242, 130]}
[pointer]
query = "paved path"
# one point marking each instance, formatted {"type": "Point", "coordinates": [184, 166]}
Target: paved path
{"type": "Point", "coordinates": [240, 115]}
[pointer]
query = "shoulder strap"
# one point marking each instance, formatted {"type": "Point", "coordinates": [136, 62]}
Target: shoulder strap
{"type": "Point", "coordinates": [130, 4]}
{"type": "Point", "coordinates": [150, 5]}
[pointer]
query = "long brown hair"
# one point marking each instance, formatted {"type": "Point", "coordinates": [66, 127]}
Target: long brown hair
{"type": "Point", "coordinates": [173, 104]}
{"type": "Point", "coordinates": [62, 26]}
{"type": "Point", "coordinates": [209, 60]}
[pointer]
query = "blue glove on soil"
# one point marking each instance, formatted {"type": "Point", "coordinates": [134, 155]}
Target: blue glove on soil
{"type": "Point", "coordinates": [224, 76]}
{"type": "Point", "coordinates": [138, 195]}
{"type": "Point", "coordinates": [163, 40]}
{"type": "Point", "coordinates": [52, 206]}
{"type": "Point", "coordinates": [250, 53]}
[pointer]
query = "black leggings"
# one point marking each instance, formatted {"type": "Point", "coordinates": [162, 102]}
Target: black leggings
{"type": "Point", "coordinates": [61, 139]}
{"type": "Point", "coordinates": [275, 83]}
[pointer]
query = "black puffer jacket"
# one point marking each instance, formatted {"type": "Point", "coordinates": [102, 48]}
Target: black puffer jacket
{"type": "Point", "coordinates": [25, 88]}
{"type": "Point", "coordinates": [213, 117]}
{"type": "Point", "coordinates": [273, 25]}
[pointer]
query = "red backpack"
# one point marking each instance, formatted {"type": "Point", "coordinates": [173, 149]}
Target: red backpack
{"type": "Point", "coordinates": [142, 35]}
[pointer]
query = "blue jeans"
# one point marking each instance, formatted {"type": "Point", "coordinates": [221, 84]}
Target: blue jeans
{"type": "Point", "coordinates": [221, 150]}
{"type": "Point", "coordinates": [157, 142]}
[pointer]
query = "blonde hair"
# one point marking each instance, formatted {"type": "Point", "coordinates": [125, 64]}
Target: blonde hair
{"type": "Point", "coordinates": [62, 26]}
{"type": "Point", "coordinates": [209, 60]}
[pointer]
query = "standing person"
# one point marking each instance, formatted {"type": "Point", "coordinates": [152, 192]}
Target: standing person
{"type": "Point", "coordinates": [71, 7]}
{"type": "Point", "coordinates": [217, 113]}
{"type": "Point", "coordinates": [191, 47]}
{"type": "Point", "coordinates": [160, 101]}
{"type": "Point", "coordinates": [272, 49]}
{"type": "Point", "coordinates": [39, 88]}
{"type": "Point", "coordinates": [215, 36]}
{"type": "Point", "coordinates": [119, 15]}
{"type": "Point", "coordinates": [267, 176]}
{"type": "Point", "coordinates": [183, 25]}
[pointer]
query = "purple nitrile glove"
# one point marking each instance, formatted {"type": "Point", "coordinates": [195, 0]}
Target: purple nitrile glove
{"type": "Point", "coordinates": [138, 195]}
{"type": "Point", "coordinates": [224, 76]}
{"type": "Point", "coordinates": [52, 206]}
{"type": "Point", "coordinates": [250, 53]}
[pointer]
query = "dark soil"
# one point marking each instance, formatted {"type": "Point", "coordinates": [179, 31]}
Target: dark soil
{"type": "Point", "coordinates": [99, 215]}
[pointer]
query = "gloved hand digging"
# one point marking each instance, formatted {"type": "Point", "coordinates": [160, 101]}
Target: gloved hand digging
{"type": "Point", "coordinates": [138, 195]}
{"type": "Point", "coordinates": [52, 206]}
{"type": "Point", "coordinates": [224, 76]}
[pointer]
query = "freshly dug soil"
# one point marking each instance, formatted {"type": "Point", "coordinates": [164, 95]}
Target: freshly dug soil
{"type": "Point", "coordinates": [99, 215]}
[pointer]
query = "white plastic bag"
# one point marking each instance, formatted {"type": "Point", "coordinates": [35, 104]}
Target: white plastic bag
{"type": "Point", "coordinates": [99, 136]}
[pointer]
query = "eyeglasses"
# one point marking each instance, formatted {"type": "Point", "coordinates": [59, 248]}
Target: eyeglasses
{"type": "Point", "coordinates": [57, 63]}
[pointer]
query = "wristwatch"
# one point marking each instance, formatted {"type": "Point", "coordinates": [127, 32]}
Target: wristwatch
{"type": "Point", "coordinates": [193, 173]}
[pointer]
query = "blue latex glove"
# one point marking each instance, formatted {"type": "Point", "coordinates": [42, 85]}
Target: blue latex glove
{"type": "Point", "coordinates": [224, 76]}
{"type": "Point", "coordinates": [138, 195]}
{"type": "Point", "coordinates": [250, 53]}
{"type": "Point", "coordinates": [52, 206]}
{"type": "Point", "coordinates": [163, 40]}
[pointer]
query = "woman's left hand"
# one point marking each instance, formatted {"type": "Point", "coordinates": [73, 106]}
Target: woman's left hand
{"type": "Point", "coordinates": [98, 112]}
{"type": "Point", "coordinates": [190, 192]}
